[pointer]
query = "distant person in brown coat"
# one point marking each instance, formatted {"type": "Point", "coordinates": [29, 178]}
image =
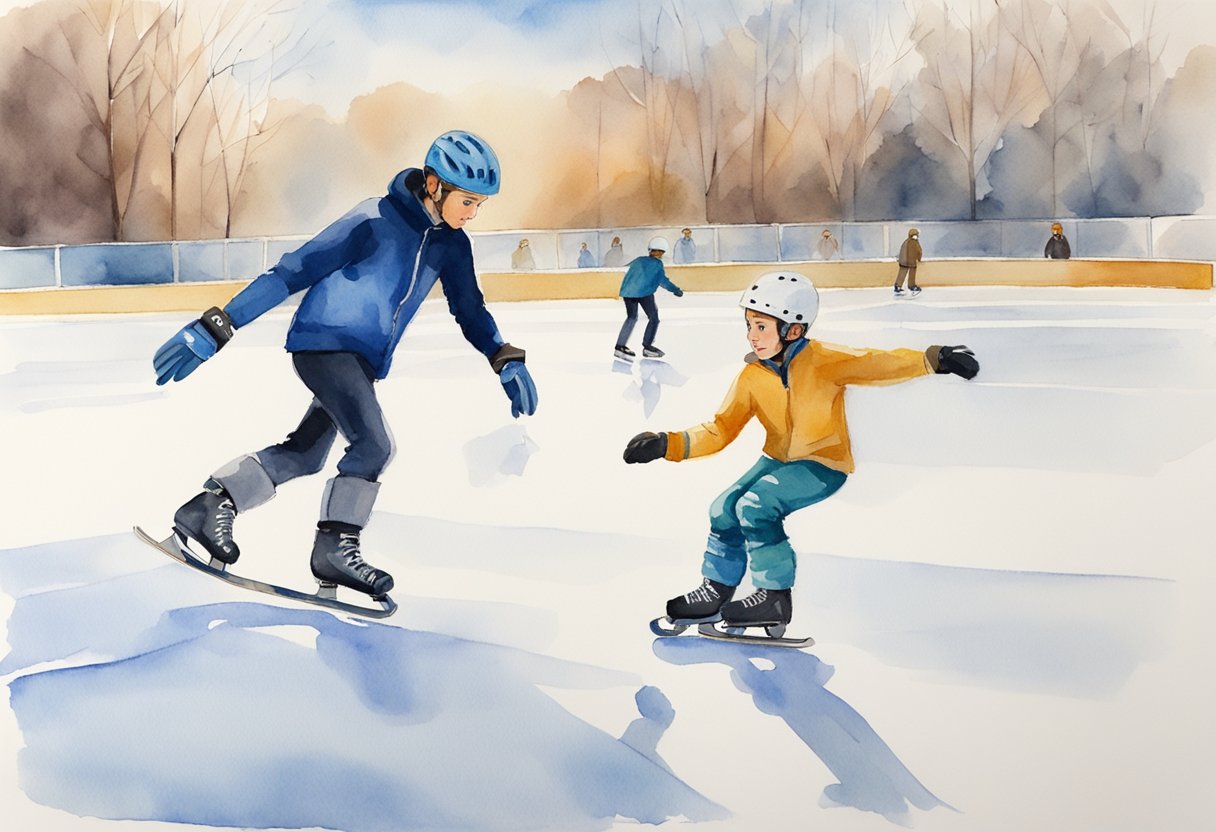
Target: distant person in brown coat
{"type": "Point", "coordinates": [909, 256]}
{"type": "Point", "coordinates": [1057, 247]}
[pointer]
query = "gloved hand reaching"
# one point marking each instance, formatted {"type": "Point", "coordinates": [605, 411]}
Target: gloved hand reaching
{"type": "Point", "coordinates": [520, 389]}
{"type": "Point", "coordinates": [646, 447]}
{"type": "Point", "coordinates": [959, 360]}
{"type": "Point", "coordinates": [193, 344]}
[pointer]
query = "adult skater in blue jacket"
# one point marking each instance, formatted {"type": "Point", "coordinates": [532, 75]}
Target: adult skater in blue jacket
{"type": "Point", "coordinates": [364, 278]}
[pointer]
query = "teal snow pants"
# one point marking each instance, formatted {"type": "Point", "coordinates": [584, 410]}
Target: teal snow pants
{"type": "Point", "coordinates": [748, 521]}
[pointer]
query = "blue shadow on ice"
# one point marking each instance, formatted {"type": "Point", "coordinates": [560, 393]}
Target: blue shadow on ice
{"type": "Point", "coordinates": [235, 722]}
{"type": "Point", "coordinates": [256, 716]}
{"type": "Point", "coordinates": [790, 684]}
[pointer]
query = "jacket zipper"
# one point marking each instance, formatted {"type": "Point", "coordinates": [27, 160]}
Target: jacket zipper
{"type": "Point", "coordinates": [409, 289]}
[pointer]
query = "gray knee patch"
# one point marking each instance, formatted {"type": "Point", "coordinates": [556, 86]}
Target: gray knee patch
{"type": "Point", "coordinates": [246, 481]}
{"type": "Point", "coordinates": [348, 500]}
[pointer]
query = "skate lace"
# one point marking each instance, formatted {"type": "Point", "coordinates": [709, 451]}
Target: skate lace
{"type": "Point", "coordinates": [348, 550]}
{"type": "Point", "coordinates": [702, 594]}
{"type": "Point", "coordinates": [755, 599]}
{"type": "Point", "coordinates": [224, 516]}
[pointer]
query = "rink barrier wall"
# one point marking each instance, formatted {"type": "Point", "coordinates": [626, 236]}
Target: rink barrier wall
{"type": "Point", "coordinates": [201, 261]}
{"type": "Point", "coordinates": [605, 283]}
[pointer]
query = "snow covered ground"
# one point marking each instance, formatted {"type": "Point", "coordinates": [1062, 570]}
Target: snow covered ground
{"type": "Point", "coordinates": [1011, 597]}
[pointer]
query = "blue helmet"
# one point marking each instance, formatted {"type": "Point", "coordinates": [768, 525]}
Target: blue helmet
{"type": "Point", "coordinates": [465, 161]}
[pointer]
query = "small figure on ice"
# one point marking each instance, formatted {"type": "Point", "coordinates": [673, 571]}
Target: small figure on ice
{"type": "Point", "coordinates": [795, 387]}
{"type": "Point", "coordinates": [638, 287]}
{"type": "Point", "coordinates": [910, 255]}
{"type": "Point", "coordinates": [364, 279]}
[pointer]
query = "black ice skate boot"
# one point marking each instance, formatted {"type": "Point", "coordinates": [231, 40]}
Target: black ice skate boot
{"type": "Point", "coordinates": [700, 605]}
{"type": "Point", "coordinates": [770, 608]}
{"type": "Point", "coordinates": [207, 519]}
{"type": "Point", "coordinates": [336, 560]}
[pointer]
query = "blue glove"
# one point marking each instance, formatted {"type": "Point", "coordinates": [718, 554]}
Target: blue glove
{"type": "Point", "coordinates": [194, 343]}
{"type": "Point", "coordinates": [518, 385]}
{"type": "Point", "coordinates": [678, 292]}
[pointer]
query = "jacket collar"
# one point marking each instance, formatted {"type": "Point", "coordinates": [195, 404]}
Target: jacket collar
{"type": "Point", "coordinates": [783, 369]}
{"type": "Point", "coordinates": [405, 193]}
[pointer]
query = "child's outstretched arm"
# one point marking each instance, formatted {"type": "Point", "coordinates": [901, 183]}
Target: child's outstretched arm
{"type": "Point", "coordinates": [702, 440]}
{"type": "Point", "coordinates": [844, 365]}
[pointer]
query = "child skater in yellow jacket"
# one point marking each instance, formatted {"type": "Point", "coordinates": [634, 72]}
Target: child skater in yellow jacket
{"type": "Point", "coordinates": [795, 387]}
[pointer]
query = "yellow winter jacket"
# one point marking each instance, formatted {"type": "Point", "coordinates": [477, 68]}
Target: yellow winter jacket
{"type": "Point", "coordinates": [805, 420]}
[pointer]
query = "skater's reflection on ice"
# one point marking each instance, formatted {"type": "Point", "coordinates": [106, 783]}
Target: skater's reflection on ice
{"type": "Point", "coordinates": [498, 455]}
{"type": "Point", "coordinates": [652, 376]}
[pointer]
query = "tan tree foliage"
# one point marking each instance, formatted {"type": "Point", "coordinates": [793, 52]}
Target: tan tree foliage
{"type": "Point", "coordinates": [770, 111]}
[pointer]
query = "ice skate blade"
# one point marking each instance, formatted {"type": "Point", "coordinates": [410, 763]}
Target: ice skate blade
{"type": "Point", "coordinates": [181, 553]}
{"type": "Point", "coordinates": [667, 627]}
{"type": "Point", "coordinates": [713, 631]}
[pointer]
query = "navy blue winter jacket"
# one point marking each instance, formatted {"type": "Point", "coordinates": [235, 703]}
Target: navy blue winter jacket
{"type": "Point", "coordinates": [367, 274]}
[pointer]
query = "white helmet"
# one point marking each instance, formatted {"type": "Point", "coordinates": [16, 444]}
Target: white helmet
{"type": "Point", "coordinates": [657, 244]}
{"type": "Point", "coordinates": [789, 297]}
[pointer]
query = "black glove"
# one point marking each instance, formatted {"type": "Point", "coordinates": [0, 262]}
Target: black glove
{"type": "Point", "coordinates": [646, 447]}
{"type": "Point", "coordinates": [959, 360]}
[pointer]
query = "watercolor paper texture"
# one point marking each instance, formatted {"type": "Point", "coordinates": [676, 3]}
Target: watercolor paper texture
{"type": "Point", "coordinates": [1010, 597]}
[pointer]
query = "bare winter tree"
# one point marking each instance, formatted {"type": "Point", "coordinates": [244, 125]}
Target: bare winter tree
{"type": "Point", "coordinates": [1143, 75]}
{"type": "Point", "coordinates": [1119, 82]}
{"type": "Point", "coordinates": [1047, 32]}
{"type": "Point", "coordinates": [239, 97]}
{"type": "Point", "coordinates": [207, 48]}
{"type": "Point", "coordinates": [173, 92]}
{"type": "Point", "coordinates": [109, 42]}
{"type": "Point", "coordinates": [707, 70]}
{"type": "Point", "coordinates": [776, 104]}
{"type": "Point", "coordinates": [657, 39]}
{"type": "Point", "coordinates": [854, 88]}
{"type": "Point", "coordinates": [976, 81]}
{"type": "Point", "coordinates": [721, 77]}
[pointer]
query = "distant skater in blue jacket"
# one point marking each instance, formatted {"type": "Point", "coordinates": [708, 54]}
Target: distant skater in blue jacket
{"type": "Point", "coordinates": [363, 278]}
{"type": "Point", "coordinates": [642, 279]}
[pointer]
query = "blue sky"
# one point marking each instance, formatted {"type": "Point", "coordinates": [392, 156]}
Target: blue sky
{"type": "Point", "coordinates": [446, 46]}
{"type": "Point", "coordinates": [530, 13]}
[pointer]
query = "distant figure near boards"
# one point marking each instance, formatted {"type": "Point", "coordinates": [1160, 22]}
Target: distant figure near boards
{"type": "Point", "coordinates": [686, 248]}
{"type": "Point", "coordinates": [828, 246]}
{"type": "Point", "coordinates": [1057, 247]}
{"type": "Point", "coordinates": [522, 259]}
{"type": "Point", "coordinates": [615, 255]}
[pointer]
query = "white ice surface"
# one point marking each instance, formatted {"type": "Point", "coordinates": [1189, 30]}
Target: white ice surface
{"type": "Point", "coordinates": [1014, 589]}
